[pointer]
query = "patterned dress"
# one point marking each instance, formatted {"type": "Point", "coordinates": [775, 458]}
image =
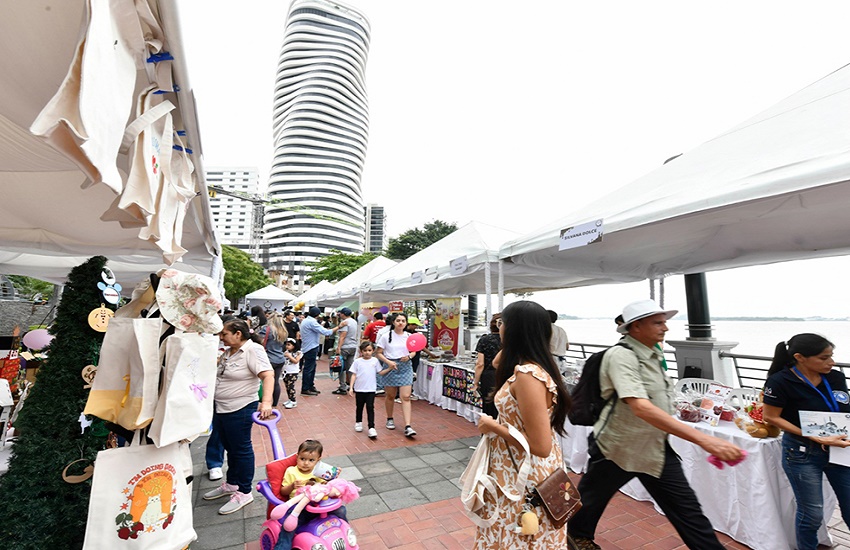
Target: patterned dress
{"type": "Point", "coordinates": [501, 535]}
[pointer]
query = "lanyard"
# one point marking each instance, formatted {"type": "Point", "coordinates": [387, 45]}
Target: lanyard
{"type": "Point", "coordinates": [830, 402]}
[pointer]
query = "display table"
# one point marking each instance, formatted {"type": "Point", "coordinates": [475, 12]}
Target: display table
{"type": "Point", "coordinates": [431, 388]}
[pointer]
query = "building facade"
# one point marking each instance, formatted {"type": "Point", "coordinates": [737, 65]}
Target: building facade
{"type": "Point", "coordinates": [376, 228]}
{"type": "Point", "coordinates": [320, 129]}
{"type": "Point", "coordinates": [233, 214]}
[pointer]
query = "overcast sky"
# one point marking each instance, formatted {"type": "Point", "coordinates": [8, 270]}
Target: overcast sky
{"type": "Point", "coordinates": [516, 113]}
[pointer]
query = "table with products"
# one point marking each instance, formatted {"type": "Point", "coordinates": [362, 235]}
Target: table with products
{"type": "Point", "coordinates": [752, 502]}
{"type": "Point", "coordinates": [447, 385]}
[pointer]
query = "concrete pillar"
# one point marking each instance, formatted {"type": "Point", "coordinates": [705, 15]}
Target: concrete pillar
{"type": "Point", "coordinates": [701, 359]}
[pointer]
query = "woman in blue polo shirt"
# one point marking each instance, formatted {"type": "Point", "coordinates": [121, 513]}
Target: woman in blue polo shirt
{"type": "Point", "coordinates": [801, 378]}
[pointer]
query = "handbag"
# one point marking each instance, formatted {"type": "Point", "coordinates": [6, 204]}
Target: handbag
{"type": "Point", "coordinates": [140, 499]}
{"type": "Point", "coordinates": [556, 494]}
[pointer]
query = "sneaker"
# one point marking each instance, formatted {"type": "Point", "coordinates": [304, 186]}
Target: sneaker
{"type": "Point", "coordinates": [358, 426]}
{"type": "Point", "coordinates": [339, 391]}
{"type": "Point", "coordinates": [397, 400]}
{"type": "Point", "coordinates": [216, 474]}
{"type": "Point", "coordinates": [290, 405]}
{"type": "Point", "coordinates": [223, 490]}
{"type": "Point", "coordinates": [314, 390]}
{"type": "Point", "coordinates": [373, 433]}
{"type": "Point", "coordinates": [390, 424]}
{"type": "Point", "coordinates": [409, 432]}
{"type": "Point", "coordinates": [380, 392]}
{"type": "Point", "coordinates": [582, 543]}
{"type": "Point", "coordinates": [311, 393]}
{"type": "Point", "coordinates": [237, 502]}
{"type": "Point", "coordinates": [413, 397]}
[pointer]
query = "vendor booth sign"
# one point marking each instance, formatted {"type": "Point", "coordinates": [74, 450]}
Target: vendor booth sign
{"type": "Point", "coordinates": [581, 235]}
{"type": "Point", "coordinates": [457, 385]}
{"type": "Point", "coordinates": [446, 324]}
{"type": "Point", "coordinates": [396, 306]}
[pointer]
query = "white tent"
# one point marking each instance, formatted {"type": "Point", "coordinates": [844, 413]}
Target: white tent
{"type": "Point", "coordinates": [349, 287]}
{"type": "Point", "coordinates": [49, 222]}
{"type": "Point", "coordinates": [461, 263]}
{"type": "Point", "coordinates": [773, 188]}
{"type": "Point", "coordinates": [310, 296]}
{"type": "Point", "coordinates": [270, 297]}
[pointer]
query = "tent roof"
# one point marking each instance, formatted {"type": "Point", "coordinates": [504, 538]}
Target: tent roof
{"type": "Point", "coordinates": [349, 286]}
{"type": "Point", "coordinates": [773, 188]}
{"type": "Point", "coordinates": [50, 224]}
{"type": "Point", "coordinates": [309, 297]}
{"type": "Point", "coordinates": [478, 242]}
{"type": "Point", "coordinates": [270, 292]}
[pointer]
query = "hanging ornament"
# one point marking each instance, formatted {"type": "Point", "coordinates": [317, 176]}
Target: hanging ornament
{"type": "Point", "coordinates": [88, 373]}
{"type": "Point", "coordinates": [88, 471]}
{"type": "Point", "coordinates": [99, 318]}
{"type": "Point", "coordinates": [111, 293]}
{"type": "Point", "coordinates": [108, 276]}
{"type": "Point", "coordinates": [84, 423]}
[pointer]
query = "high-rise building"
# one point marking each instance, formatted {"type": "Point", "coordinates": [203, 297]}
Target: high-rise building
{"type": "Point", "coordinates": [320, 131]}
{"type": "Point", "coordinates": [376, 227]}
{"type": "Point", "coordinates": [232, 214]}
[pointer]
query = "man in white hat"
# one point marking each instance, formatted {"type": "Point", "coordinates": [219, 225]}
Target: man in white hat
{"type": "Point", "coordinates": [630, 437]}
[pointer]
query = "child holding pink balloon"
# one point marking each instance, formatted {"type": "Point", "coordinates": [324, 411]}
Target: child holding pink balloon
{"type": "Point", "coordinates": [364, 371]}
{"type": "Point", "coordinates": [395, 350]}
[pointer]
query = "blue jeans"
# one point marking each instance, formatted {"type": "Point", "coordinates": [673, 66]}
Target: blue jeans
{"type": "Point", "coordinates": [805, 464]}
{"type": "Point", "coordinates": [235, 431]}
{"type": "Point", "coordinates": [308, 376]}
{"type": "Point", "coordinates": [215, 451]}
{"type": "Point", "coordinates": [284, 541]}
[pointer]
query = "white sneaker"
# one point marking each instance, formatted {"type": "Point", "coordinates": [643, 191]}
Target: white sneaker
{"type": "Point", "coordinates": [358, 426]}
{"type": "Point", "coordinates": [390, 424]}
{"type": "Point", "coordinates": [216, 474]}
{"type": "Point", "coordinates": [223, 490]}
{"type": "Point", "coordinates": [237, 502]}
{"type": "Point", "coordinates": [290, 405]}
{"type": "Point", "coordinates": [413, 397]}
{"type": "Point", "coordinates": [409, 432]}
{"type": "Point", "coordinates": [373, 433]}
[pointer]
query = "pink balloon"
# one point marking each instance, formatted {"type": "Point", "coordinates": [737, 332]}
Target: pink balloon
{"type": "Point", "coordinates": [37, 339]}
{"type": "Point", "coordinates": [416, 342]}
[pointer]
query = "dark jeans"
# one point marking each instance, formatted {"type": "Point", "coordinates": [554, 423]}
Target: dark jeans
{"type": "Point", "coordinates": [278, 368]}
{"type": "Point", "coordinates": [805, 464]}
{"type": "Point", "coordinates": [235, 432]}
{"type": "Point", "coordinates": [367, 399]}
{"type": "Point", "coordinates": [308, 378]}
{"type": "Point", "coordinates": [215, 451]}
{"type": "Point", "coordinates": [671, 492]}
{"type": "Point", "coordinates": [284, 540]}
{"type": "Point", "coordinates": [346, 359]}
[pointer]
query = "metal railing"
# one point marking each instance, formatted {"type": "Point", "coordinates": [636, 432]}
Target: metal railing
{"type": "Point", "coordinates": [581, 351]}
{"type": "Point", "coordinates": [752, 369]}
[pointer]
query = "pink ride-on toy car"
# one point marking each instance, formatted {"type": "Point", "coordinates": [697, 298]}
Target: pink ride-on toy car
{"type": "Point", "coordinates": [322, 533]}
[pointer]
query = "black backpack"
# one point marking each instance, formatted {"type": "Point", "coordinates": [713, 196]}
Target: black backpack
{"type": "Point", "coordinates": [587, 402]}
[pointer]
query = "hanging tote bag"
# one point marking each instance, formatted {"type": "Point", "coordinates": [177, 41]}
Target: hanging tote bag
{"type": "Point", "coordinates": [139, 499]}
{"type": "Point", "coordinates": [185, 406]}
{"type": "Point", "coordinates": [126, 387]}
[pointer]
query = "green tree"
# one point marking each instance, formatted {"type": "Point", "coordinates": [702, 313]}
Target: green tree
{"type": "Point", "coordinates": [337, 265]}
{"type": "Point", "coordinates": [39, 508]}
{"type": "Point", "coordinates": [412, 241]}
{"type": "Point", "coordinates": [242, 275]}
{"type": "Point", "coordinates": [29, 287]}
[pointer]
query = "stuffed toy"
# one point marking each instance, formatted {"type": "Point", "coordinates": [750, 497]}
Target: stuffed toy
{"type": "Point", "coordinates": [336, 488]}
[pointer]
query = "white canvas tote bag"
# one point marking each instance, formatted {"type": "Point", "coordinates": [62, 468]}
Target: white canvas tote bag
{"type": "Point", "coordinates": [126, 387]}
{"type": "Point", "coordinates": [139, 499]}
{"type": "Point", "coordinates": [185, 406]}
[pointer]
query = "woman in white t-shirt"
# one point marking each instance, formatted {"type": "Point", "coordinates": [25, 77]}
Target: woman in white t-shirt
{"type": "Point", "coordinates": [393, 353]}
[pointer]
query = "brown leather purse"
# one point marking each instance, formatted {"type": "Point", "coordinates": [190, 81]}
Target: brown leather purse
{"type": "Point", "coordinates": [558, 496]}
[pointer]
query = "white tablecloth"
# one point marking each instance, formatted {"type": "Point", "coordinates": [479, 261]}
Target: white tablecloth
{"type": "Point", "coordinates": [431, 389]}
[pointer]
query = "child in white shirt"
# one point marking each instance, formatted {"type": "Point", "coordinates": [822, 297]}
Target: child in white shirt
{"type": "Point", "coordinates": [364, 373]}
{"type": "Point", "coordinates": [291, 369]}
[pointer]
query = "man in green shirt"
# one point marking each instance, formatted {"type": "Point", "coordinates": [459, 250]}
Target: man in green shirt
{"type": "Point", "coordinates": [633, 441]}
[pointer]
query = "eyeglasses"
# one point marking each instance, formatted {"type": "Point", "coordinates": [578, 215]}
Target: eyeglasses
{"type": "Point", "coordinates": [499, 323]}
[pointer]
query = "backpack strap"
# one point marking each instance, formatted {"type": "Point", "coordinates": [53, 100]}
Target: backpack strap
{"type": "Point", "coordinates": [614, 394]}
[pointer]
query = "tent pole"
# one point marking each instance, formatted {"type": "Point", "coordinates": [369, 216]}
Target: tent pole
{"type": "Point", "coordinates": [651, 289]}
{"type": "Point", "coordinates": [696, 296]}
{"type": "Point", "coordinates": [488, 290]}
{"type": "Point", "coordinates": [501, 287]}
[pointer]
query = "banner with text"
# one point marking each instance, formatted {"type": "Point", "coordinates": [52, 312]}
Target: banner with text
{"type": "Point", "coordinates": [446, 324]}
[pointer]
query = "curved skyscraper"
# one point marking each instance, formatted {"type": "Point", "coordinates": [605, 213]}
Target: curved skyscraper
{"type": "Point", "coordinates": [321, 121]}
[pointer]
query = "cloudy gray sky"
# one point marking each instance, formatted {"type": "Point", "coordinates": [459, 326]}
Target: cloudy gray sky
{"type": "Point", "coordinates": [516, 113]}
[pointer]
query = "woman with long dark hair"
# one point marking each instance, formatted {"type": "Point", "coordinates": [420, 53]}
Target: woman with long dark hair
{"type": "Point", "coordinates": [533, 398]}
{"type": "Point", "coordinates": [485, 373]}
{"type": "Point", "coordinates": [391, 350]}
{"type": "Point", "coordinates": [801, 378]}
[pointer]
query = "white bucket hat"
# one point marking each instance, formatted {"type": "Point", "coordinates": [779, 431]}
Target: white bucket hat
{"type": "Point", "coordinates": [639, 310]}
{"type": "Point", "coordinates": [189, 301]}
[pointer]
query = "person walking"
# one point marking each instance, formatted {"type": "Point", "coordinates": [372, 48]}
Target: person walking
{"type": "Point", "coordinates": [485, 373]}
{"type": "Point", "coordinates": [310, 332]}
{"type": "Point", "coordinates": [273, 335]}
{"type": "Point", "coordinates": [392, 351]}
{"type": "Point", "coordinates": [630, 437]}
{"type": "Point", "coordinates": [363, 372]}
{"type": "Point", "coordinates": [348, 338]}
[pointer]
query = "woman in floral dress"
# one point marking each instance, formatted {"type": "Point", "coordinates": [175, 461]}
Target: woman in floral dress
{"type": "Point", "coordinates": [533, 399]}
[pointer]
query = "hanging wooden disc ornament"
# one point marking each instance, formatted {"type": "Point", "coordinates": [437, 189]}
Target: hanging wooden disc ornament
{"type": "Point", "coordinates": [89, 371]}
{"type": "Point", "coordinates": [88, 471]}
{"type": "Point", "coordinates": [99, 318]}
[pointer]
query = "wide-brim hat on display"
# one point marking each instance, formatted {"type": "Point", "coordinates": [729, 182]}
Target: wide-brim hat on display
{"type": "Point", "coordinates": [641, 309]}
{"type": "Point", "coordinates": [189, 301]}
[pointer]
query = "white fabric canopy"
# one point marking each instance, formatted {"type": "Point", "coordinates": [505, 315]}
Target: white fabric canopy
{"type": "Point", "coordinates": [774, 188]}
{"type": "Point", "coordinates": [270, 293]}
{"type": "Point", "coordinates": [349, 286]}
{"type": "Point", "coordinates": [309, 297]}
{"type": "Point", "coordinates": [48, 223]}
{"type": "Point", "coordinates": [477, 242]}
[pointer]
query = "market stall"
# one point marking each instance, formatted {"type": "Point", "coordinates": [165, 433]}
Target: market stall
{"type": "Point", "coordinates": [447, 384]}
